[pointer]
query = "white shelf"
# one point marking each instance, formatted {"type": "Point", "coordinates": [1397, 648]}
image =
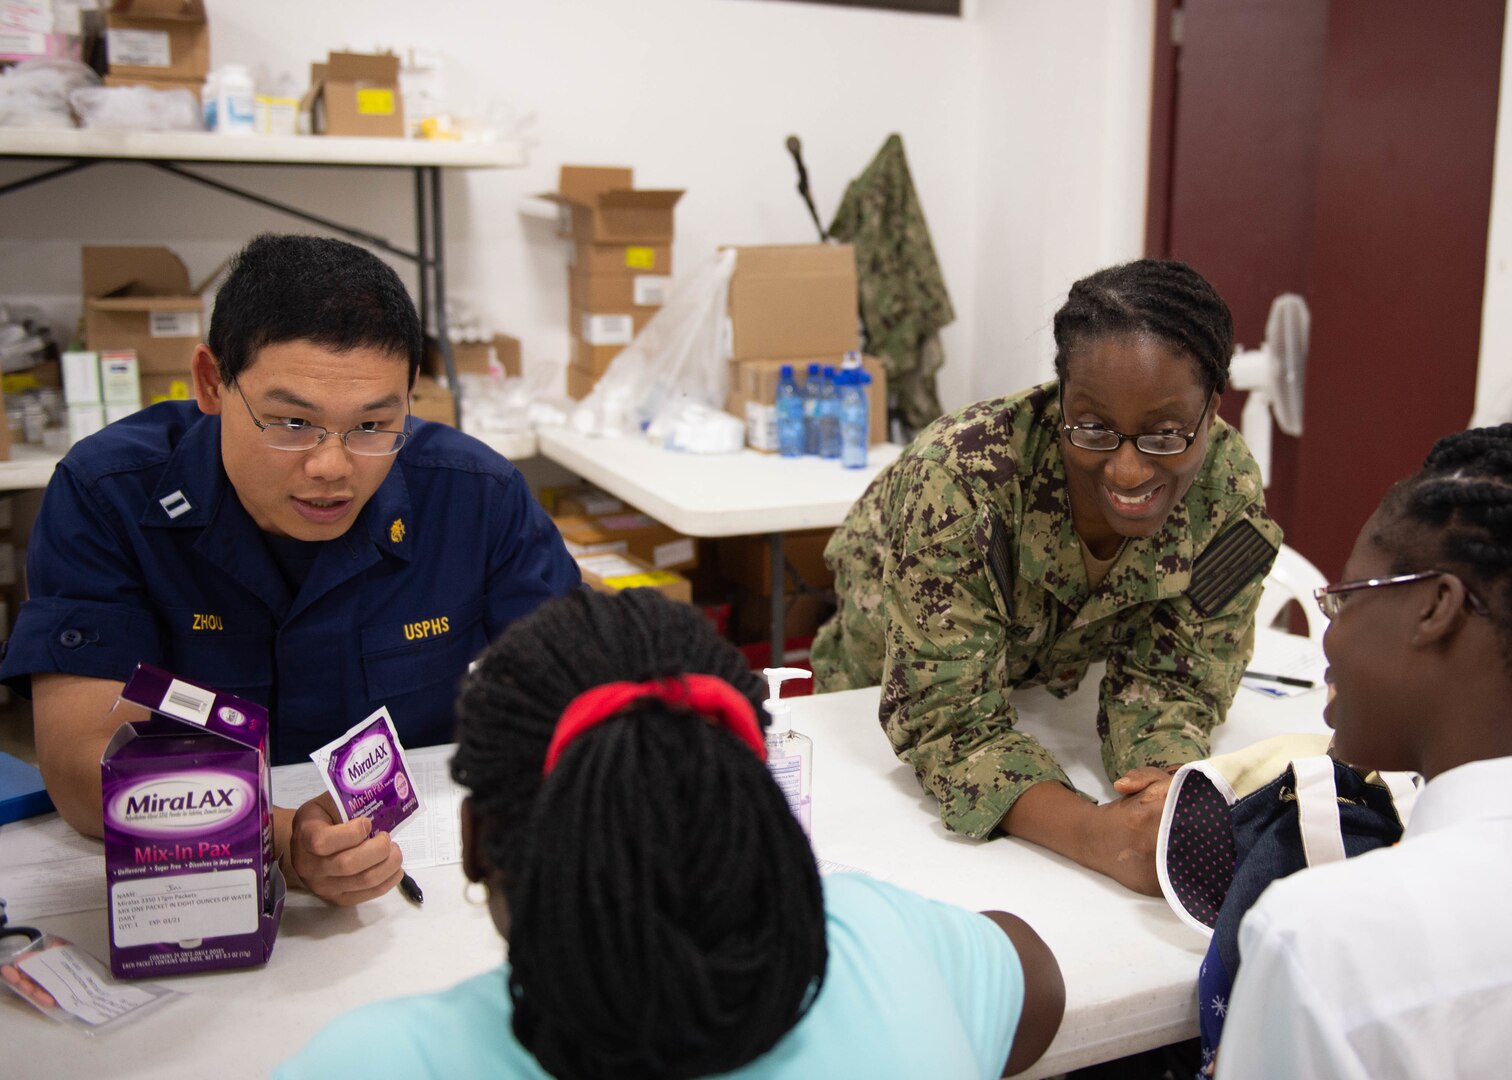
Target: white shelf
{"type": "Point", "coordinates": [28, 467]}
{"type": "Point", "coordinates": [269, 150]}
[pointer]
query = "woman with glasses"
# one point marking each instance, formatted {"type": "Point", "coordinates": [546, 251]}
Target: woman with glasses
{"type": "Point", "coordinates": [1108, 515]}
{"type": "Point", "coordinates": [291, 535]}
{"type": "Point", "coordinates": [1398, 962]}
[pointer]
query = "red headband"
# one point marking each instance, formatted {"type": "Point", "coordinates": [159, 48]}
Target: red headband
{"type": "Point", "coordinates": [713, 698]}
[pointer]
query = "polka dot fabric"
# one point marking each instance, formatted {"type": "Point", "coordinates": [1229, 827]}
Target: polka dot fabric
{"type": "Point", "coordinates": [1200, 849]}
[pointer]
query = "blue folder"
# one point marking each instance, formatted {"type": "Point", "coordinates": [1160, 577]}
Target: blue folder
{"type": "Point", "coordinates": [21, 792]}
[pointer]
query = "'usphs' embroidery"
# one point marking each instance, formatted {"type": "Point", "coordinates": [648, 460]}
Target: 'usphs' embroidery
{"type": "Point", "coordinates": [396, 530]}
{"type": "Point", "coordinates": [175, 504]}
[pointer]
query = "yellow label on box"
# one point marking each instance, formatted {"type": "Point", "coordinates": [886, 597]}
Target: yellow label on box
{"type": "Point", "coordinates": [640, 258]}
{"type": "Point", "coordinates": [650, 579]}
{"type": "Point", "coordinates": [375, 102]}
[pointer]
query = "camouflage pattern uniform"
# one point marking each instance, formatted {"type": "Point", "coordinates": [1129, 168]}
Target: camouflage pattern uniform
{"type": "Point", "coordinates": [902, 292]}
{"type": "Point", "coordinates": [960, 577]}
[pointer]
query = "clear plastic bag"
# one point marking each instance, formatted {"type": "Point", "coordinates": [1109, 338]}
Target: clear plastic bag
{"type": "Point", "coordinates": [136, 108]}
{"type": "Point", "coordinates": [34, 93]}
{"type": "Point", "coordinates": [65, 983]}
{"type": "Point", "coordinates": [678, 360]}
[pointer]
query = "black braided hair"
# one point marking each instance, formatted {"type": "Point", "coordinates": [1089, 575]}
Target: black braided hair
{"type": "Point", "coordinates": [1161, 297]}
{"type": "Point", "coordinates": [1463, 496]}
{"type": "Point", "coordinates": [666, 913]}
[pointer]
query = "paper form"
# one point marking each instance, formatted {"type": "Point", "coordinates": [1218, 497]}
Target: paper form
{"type": "Point", "coordinates": [1292, 655]}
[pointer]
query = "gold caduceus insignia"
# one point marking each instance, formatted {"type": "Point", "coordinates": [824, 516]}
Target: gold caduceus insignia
{"type": "Point", "coordinates": [396, 530]}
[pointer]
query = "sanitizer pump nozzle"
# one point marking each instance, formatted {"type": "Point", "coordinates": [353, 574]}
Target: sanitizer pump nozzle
{"type": "Point", "coordinates": [790, 756]}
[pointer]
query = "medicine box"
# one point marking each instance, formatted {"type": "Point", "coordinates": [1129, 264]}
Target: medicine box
{"type": "Point", "coordinates": [190, 876]}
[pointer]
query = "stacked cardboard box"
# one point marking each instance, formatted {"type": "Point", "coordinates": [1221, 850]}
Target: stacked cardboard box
{"type": "Point", "coordinates": [620, 267]}
{"type": "Point", "coordinates": [138, 300]}
{"type": "Point", "coordinates": [355, 94]}
{"type": "Point", "coordinates": [164, 44]}
{"type": "Point", "coordinates": [792, 304]}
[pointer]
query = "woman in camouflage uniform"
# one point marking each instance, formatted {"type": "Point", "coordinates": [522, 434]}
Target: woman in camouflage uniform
{"type": "Point", "coordinates": [1108, 515]}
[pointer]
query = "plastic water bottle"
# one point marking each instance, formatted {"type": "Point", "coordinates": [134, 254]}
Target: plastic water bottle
{"type": "Point", "coordinates": [811, 387]}
{"type": "Point", "coordinates": [829, 416]}
{"type": "Point", "coordinates": [789, 414]}
{"type": "Point", "coordinates": [853, 434]}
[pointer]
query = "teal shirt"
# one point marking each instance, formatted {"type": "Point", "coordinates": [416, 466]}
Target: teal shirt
{"type": "Point", "coordinates": [914, 988]}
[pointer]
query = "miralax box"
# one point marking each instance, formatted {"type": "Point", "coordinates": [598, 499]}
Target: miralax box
{"type": "Point", "coordinates": [190, 874]}
{"type": "Point", "coordinates": [793, 300]}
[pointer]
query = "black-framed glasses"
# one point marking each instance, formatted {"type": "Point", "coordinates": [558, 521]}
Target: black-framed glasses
{"type": "Point", "coordinates": [1158, 443]}
{"type": "Point", "coordinates": [299, 435]}
{"type": "Point", "coordinates": [1331, 598]}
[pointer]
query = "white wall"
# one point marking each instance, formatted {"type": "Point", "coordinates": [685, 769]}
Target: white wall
{"type": "Point", "coordinates": [1493, 390]}
{"type": "Point", "coordinates": [1025, 123]}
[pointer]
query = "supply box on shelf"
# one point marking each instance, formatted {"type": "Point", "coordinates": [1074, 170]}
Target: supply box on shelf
{"type": "Point", "coordinates": [355, 94]}
{"type": "Point", "coordinates": [611, 572]}
{"type": "Point", "coordinates": [157, 39]}
{"type": "Point", "coordinates": [429, 400]}
{"type": "Point", "coordinates": [793, 300]}
{"type": "Point", "coordinates": [628, 532]}
{"type": "Point", "coordinates": [139, 298]}
{"type": "Point", "coordinates": [620, 266]}
{"type": "Point", "coordinates": [500, 355]}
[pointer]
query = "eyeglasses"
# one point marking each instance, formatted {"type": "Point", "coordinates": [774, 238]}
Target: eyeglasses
{"type": "Point", "coordinates": [298, 435]}
{"type": "Point", "coordinates": [1331, 598]}
{"type": "Point", "coordinates": [1161, 444]}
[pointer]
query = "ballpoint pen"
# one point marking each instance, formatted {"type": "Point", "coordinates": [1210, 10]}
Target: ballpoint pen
{"type": "Point", "coordinates": [1284, 680]}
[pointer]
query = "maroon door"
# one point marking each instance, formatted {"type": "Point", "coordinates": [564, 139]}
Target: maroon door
{"type": "Point", "coordinates": [1341, 150]}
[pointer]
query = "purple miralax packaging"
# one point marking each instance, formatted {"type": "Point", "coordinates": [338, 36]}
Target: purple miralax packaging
{"type": "Point", "coordinates": [189, 867]}
{"type": "Point", "coordinates": [367, 775]}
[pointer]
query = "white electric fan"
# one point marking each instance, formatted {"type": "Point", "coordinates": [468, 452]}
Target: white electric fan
{"type": "Point", "coordinates": [1273, 376]}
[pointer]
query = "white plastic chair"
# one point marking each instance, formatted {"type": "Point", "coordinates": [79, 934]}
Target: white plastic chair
{"type": "Point", "coordinates": [1292, 578]}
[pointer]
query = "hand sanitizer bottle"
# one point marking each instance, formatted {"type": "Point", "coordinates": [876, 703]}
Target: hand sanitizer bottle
{"type": "Point", "coordinates": [790, 756]}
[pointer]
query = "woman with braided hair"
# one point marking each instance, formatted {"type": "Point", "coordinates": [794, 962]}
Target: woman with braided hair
{"type": "Point", "coordinates": [1107, 515]}
{"type": "Point", "coordinates": [1399, 962]}
{"type": "Point", "coordinates": [664, 914]}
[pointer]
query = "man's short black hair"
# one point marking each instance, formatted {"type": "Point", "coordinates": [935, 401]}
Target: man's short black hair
{"type": "Point", "coordinates": [311, 288]}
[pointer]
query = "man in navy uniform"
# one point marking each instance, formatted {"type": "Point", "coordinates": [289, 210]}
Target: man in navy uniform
{"type": "Point", "coordinates": [292, 535]}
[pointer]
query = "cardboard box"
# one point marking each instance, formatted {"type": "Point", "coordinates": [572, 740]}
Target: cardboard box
{"type": "Point", "coordinates": [626, 260]}
{"type": "Point", "coordinates": [194, 85]}
{"type": "Point", "coordinates": [140, 298]}
{"type": "Point", "coordinates": [745, 562]}
{"type": "Point", "coordinates": [157, 39]}
{"type": "Point", "coordinates": [580, 382]}
{"type": "Point", "coordinates": [602, 206]}
{"type": "Point", "coordinates": [190, 874]}
{"type": "Point", "coordinates": [429, 400]}
{"type": "Point", "coordinates": [608, 327]}
{"type": "Point", "coordinates": [753, 386]}
{"type": "Point", "coordinates": [355, 94]}
{"type": "Point", "coordinates": [617, 292]}
{"type": "Point", "coordinates": [795, 300]}
{"type": "Point", "coordinates": [581, 500]}
{"type": "Point", "coordinates": [611, 572]}
{"type": "Point", "coordinates": [632, 532]}
{"type": "Point", "coordinates": [120, 382]}
{"type": "Point", "coordinates": [593, 359]}
{"type": "Point", "coordinates": [499, 356]}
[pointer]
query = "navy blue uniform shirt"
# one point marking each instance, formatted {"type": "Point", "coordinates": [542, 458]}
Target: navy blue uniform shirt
{"type": "Point", "coordinates": [143, 552]}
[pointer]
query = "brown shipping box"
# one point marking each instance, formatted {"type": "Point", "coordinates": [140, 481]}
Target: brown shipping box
{"type": "Point", "coordinates": [617, 292]}
{"type": "Point", "coordinates": [157, 388]}
{"type": "Point", "coordinates": [580, 382]}
{"type": "Point", "coordinates": [602, 206]}
{"type": "Point", "coordinates": [355, 94]}
{"type": "Point", "coordinates": [592, 360]}
{"type": "Point", "coordinates": [608, 327]}
{"type": "Point", "coordinates": [140, 298]}
{"type": "Point", "coordinates": [429, 400]}
{"type": "Point", "coordinates": [745, 562]}
{"type": "Point", "coordinates": [157, 39]}
{"type": "Point", "coordinates": [499, 355]}
{"type": "Point", "coordinates": [626, 260]}
{"type": "Point", "coordinates": [612, 572]}
{"type": "Point", "coordinates": [642, 536]}
{"type": "Point", "coordinates": [793, 300]}
{"type": "Point", "coordinates": [755, 381]}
